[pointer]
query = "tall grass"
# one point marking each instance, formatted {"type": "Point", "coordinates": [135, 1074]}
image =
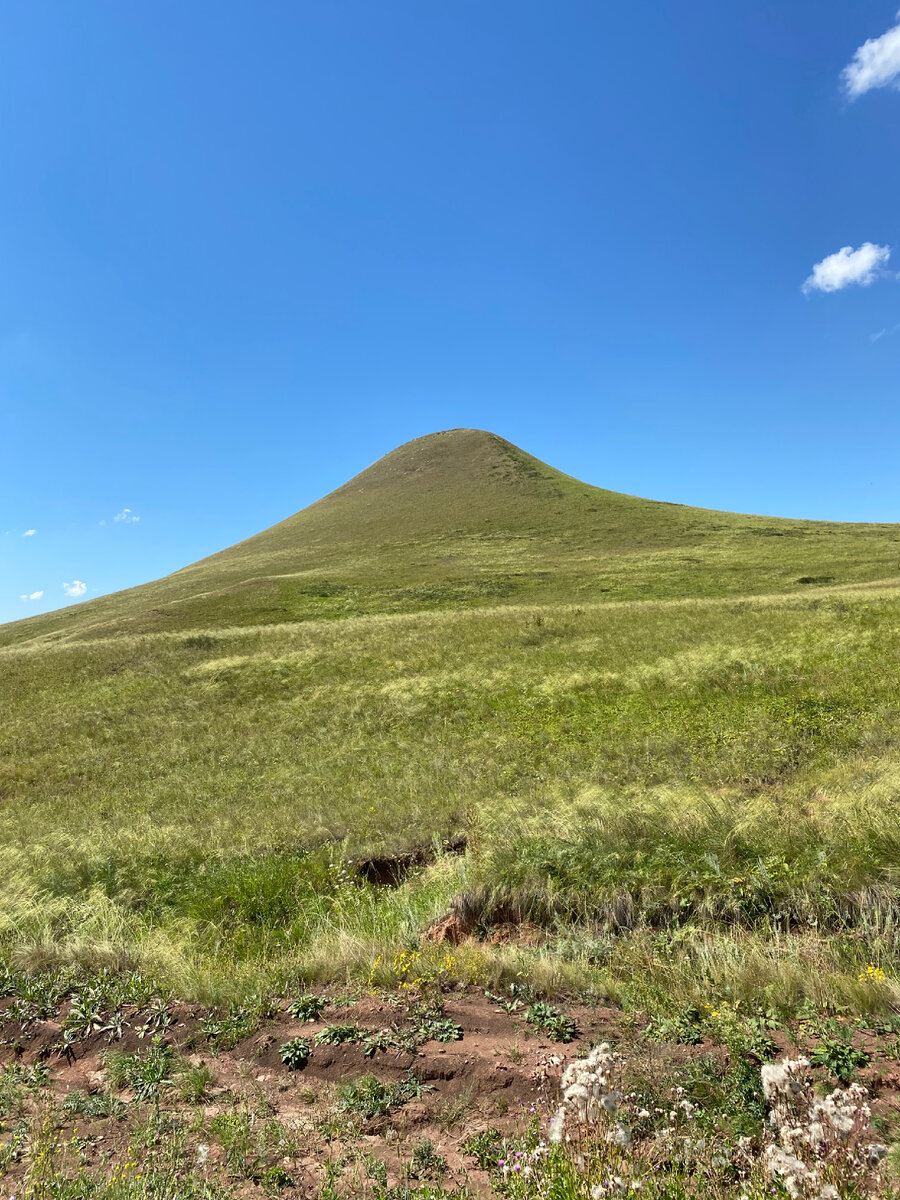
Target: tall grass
{"type": "Point", "coordinates": [724, 772]}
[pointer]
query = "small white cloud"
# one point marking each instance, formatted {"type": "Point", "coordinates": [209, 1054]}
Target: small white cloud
{"type": "Point", "coordinates": [29, 533]}
{"type": "Point", "coordinates": [848, 266]}
{"type": "Point", "coordinates": [75, 588]}
{"type": "Point", "coordinates": [875, 64]}
{"type": "Point", "coordinates": [31, 596]}
{"type": "Point", "coordinates": [876, 337]}
{"type": "Point", "coordinates": [126, 515]}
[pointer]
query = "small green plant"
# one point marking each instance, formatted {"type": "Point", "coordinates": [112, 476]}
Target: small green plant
{"type": "Point", "coordinates": [157, 1018]}
{"type": "Point", "coordinates": [85, 1017]}
{"type": "Point", "coordinates": [376, 1169]}
{"type": "Point", "coordinates": [295, 1053]}
{"type": "Point", "coordinates": [426, 1163]}
{"type": "Point", "coordinates": [438, 1029]}
{"type": "Point", "coordinates": [16, 1081]}
{"type": "Point", "coordinates": [307, 1008]}
{"type": "Point", "coordinates": [838, 1055]}
{"type": "Point", "coordinates": [146, 1074]}
{"type": "Point", "coordinates": [335, 1035]}
{"type": "Point", "coordinates": [410, 1088]}
{"type": "Point", "coordinates": [684, 1027]}
{"type": "Point", "coordinates": [518, 995]}
{"type": "Point", "coordinates": [224, 1030]}
{"type": "Point", "coordinates": [485, 1147]}
{"type": "Point", "coordinates": [232, 1130]}
{"type": "Point", "coordinates": [378, 1039]}
{"type": "Point", "coordinates": [273, 1179]}
{"type": "Point", "coordinates": [194, 1083]}
{"type": "Point", "coordinates": [368, 1097]}
{"type": "Point", "coordinates": [364, 1097]}
{"type": "Point", "coordinates": [95, 1105]}
{"type": "Point", "coordinates": [550, 1021]}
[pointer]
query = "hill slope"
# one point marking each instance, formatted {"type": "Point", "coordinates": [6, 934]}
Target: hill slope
{"type": "Point", "coordinates": [465, 517]}
{"type": "Point", "coordinates": [728, 768]}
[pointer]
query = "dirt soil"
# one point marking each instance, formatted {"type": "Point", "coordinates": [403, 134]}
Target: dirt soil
{"type": "Point", "coordinates": [500, 1075]}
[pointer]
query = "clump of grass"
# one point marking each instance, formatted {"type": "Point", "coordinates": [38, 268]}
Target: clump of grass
{"type": "Point", "coordinates": [194, 1083]}
{"type": "Point", "coordinates": [18, 1081]}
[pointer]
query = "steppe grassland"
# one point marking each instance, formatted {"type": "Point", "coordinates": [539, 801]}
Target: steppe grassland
{"type": "Point", "coordinates": [689, 798]}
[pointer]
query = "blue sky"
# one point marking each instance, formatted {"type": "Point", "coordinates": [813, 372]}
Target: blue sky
{"type": "Point", "coordinates": [247, 248]}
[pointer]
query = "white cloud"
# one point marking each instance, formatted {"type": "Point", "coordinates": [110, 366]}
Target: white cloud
{"type": "Point", "coordinates": [75, 588]}
{"type": "Point", "coordinates": [126, 515]}
{"type": "Point", "coordinates": [29, 533]}
{"type": "Point", "coordinates": [848, 266]}
{"type": "Point", "coordinates": [31, 596]}
{"type": "Point", "coordinates": [875, 64]}
{"type": "Point", "coordinates": [886, 332]}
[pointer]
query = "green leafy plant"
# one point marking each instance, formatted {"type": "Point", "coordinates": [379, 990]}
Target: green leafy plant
{"type": "Point", "coordinates": [273, 1179]}
{"type": "Point", "coordinates": [157, 1018]}
{"type": "Point", "coordinates": [295, 1053]}
{"type": "Point", "coordinates": [233, 1131]}
{"type": "Point", "coordinates": [85, 1017]}
{"type": "Point", "coordinates": [438, 1029]}
{"type": "Point", "coordinates": [485, 1147]}
{"type": "Point", "coordinates": [364, 1097]}
{"type": "Point", "coordinates": [16, 1081]}
{"type": "Point", "coordinates": [94, 1104]}
{"type": "Point", "coordinates": [335, 1035]}
{"type": "Point", "coordinates": [224, 1030]}
{"type": "Point", "coordinates": [146, 1074]}
{"type": "Point", "coordinates": [378, 1039]}
{"type": "Point", "coordinates": [307, 1008]}
{"type": "Point", "coordinates": [550, 1021]}
{"type": "Point", "coordinates": [838, 1055]}
{"type": "Point", "coordinates": [685, 1027]}
{"type": "Point", "coordinates": [368, 1097]}
{"type": "Point", "coordinates": [426, 1163]}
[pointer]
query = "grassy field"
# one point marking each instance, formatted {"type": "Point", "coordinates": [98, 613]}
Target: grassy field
{"type": "Point", "coordinates": [620, 746]}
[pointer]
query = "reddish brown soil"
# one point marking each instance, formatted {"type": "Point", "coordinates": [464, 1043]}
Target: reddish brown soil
{"type": "Point", "coordinates": [500, 1075]}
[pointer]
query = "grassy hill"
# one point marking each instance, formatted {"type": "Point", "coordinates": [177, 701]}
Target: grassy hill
{"type": "Point", "coordinates": [466, 518]}
{"type": "Point", "coordinates": [631, 752]}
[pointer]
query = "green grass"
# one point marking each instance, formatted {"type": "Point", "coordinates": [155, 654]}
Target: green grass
{"type": "Point", "coordinates": [687, 786]}
{"type": "Point", "coordinates": [723, 768]}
